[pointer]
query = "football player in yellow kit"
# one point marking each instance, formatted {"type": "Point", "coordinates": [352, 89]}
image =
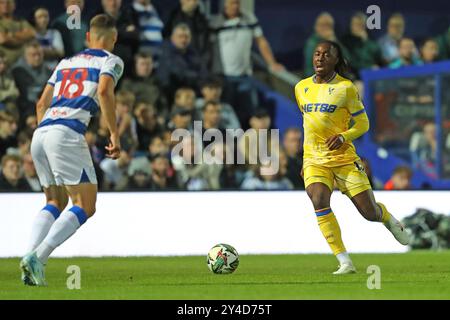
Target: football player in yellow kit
{"type": "Point", "coordinates": [328, 103]}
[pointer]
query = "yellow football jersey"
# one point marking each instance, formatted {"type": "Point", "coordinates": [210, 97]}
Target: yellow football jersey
{"type": "Point", "coordinates": [327, 109]}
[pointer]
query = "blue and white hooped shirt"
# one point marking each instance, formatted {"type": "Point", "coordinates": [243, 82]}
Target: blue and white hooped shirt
{"type": "Point", "coordinates": [75, 81]}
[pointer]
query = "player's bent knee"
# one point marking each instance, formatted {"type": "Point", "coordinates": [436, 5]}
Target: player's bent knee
{"type": "Point", "coordinates": [319, 195]}
{"type": "Point", "coordinates": [320, 201]}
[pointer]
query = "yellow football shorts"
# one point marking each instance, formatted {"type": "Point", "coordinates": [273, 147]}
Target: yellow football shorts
{"type": "Point", "coordinates": [351, 179]}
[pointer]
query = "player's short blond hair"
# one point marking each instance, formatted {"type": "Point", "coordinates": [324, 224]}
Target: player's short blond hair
{"type": "Point", "coordinates": [102, 25]}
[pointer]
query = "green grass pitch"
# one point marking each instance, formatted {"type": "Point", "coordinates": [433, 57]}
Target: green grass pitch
{"type": "Point", "coordinates": [413, 275]}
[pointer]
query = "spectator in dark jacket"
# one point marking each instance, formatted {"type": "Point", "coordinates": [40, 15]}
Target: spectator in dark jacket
{"type": "Point", "coordinates": [407, 54]}
{"type": "Point", "coordinates": [127, 25]}
{"type": "Point", "coordinates": [180, 65]}
{"type": "Point", "coordinates": [211, 90]}
{"type": "Point", "coordinates": [429, 51]}
{"type": "Point", "coordinates": [324, 29]}
{"type": "Point", "coordinates": [15, 32]}
{"type": "Point", "coordinates": [75, 38]}
{"type": "Point", "coordinates": [390, 41]}
{"type": "Point", "coordinates": [31, 74]}
{"type": "Point", "coordinates": [292, 144]}
{"type": "Point", "coordinates": [364, 52]}
{"type": "Point", "coordinates": [266, 177]}
{"type": "Point", "coordinates": [8, 89]}
{"type": "Point", "coordinates": [162, 178]}
{"type": "Point", "coordinates": [8, 128]}
{"type": "Point", "coordinates": [443, 41]}
{"type": "Point", "coordinates": [188, 12]}
{"type": "Point", "coordinates": [11, 177]}
{"type": "Point", "coordinates": [147, 125]}
{"type": "Point", "coordinates": [145, 85]}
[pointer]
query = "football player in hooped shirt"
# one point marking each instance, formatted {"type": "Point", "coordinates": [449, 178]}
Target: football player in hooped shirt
{"type": "Point", "coordinates": [80, 86]}
{"type": "Point", "coordinates": [328, 102]}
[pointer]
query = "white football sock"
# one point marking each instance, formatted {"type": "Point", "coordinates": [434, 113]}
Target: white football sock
{"type": "Point", "coordinates": [41, 225]}
{"type": "Point", "coordinates": [343, 257]}
{"type": "Point", "coordinates": [64, 227]}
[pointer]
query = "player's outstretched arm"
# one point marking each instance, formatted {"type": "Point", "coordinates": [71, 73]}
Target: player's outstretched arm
{"type": "Point", "coordinates": [105, 93]}
{"type": "Point", "coordinates": [360, 126]}
{"type": "Point", "coordinates": [44, 102]}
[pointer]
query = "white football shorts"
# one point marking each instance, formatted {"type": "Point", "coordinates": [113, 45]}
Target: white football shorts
{"type": "Point", "coordinates": [61, 157]}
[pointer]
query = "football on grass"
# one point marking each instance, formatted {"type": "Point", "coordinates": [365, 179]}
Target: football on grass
{"type": "Point", "coordinates": [223, 259]}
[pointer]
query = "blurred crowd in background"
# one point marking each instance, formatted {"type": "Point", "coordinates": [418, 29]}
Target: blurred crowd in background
{"type": "Point", "coordinates": [177, 71]}
{"type": "Point", "coordinates": [393, 50]}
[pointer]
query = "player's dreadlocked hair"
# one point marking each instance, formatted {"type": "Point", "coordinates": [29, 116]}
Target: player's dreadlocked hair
{"type": "Point", "coordinates": [341, 66]}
